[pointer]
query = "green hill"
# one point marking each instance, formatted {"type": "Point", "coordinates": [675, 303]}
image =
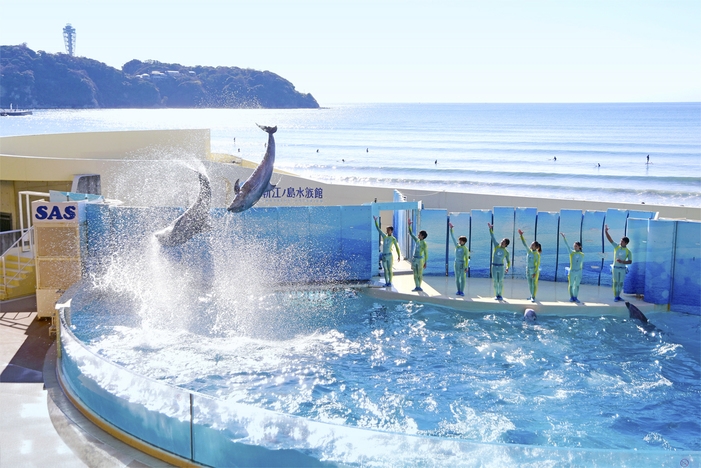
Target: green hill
{"type": "Point", "coordinates": [32, 80]}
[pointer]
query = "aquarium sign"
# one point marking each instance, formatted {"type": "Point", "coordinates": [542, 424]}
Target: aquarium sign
{"type": "Point", "coordinates": [56, 212]}
{"type": "Point", "coordinates": [295, 192]}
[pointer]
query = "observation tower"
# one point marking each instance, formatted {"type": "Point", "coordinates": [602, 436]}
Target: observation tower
{"type": "Point", "coordinates": [69, 39]}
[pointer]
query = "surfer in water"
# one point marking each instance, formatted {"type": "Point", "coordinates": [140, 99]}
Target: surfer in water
{"type": "Point", "coordinates": [462, 257]}
{"type": "Point", "coordinates": [388, 240]}
{"type": "Point", "coordinates": [622, 257]}
{"type": "Point", "coordinates": [574, 275]}
{"type": "Point", "coordinates": [500, 255]}
{"type": "Point", "coordinates": [418, 262]}
{"type": "Point", "coordinates": [532, 265]}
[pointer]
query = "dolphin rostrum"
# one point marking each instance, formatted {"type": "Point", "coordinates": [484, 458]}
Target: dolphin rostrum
{"type": "Point", "coordinates": [635, 313]}
{"type": "Point", "coordinates": [529, 315]}
{"type": "Point", "coordinates": [258, 183]}
{"type": "Point", "coordinates": [194, 221]}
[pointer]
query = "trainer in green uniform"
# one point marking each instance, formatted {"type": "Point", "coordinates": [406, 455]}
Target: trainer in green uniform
{"type": "Point", "coordinates": [533, 265]}
{"type": "Point", "coordinates": [500, 263]}
{"type": "Point", "coordinates": [462, 257]}
{"type": "Point", "coordinates": [418, 262]}
{"type": "Point", "coordinates": [621, 258]}
{"type": "Point", "coordinates": [388, 240]}
{"type": "Point", "coordinates": [574, 276]}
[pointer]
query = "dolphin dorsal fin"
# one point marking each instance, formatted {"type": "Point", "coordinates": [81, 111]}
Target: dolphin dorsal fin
{"type": "Point", "coordinates": [269, 187]}
{"type": "Point", "coordinates": [237, 187]}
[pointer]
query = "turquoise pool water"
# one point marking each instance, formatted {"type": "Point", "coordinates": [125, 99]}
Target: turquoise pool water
{"type": "Point", "coordinates": [339, 357]}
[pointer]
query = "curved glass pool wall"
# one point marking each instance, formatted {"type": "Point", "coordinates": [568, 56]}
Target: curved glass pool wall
{"type": "Point", "coordinates": [666, 266]}
{"type": "Point", "coordinates": [218, 432]}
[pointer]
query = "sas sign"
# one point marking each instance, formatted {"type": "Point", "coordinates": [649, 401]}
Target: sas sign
{"type": "Point", "coordinates": [55, 212]}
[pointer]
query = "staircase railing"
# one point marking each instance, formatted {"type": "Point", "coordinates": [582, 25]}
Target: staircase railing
{"type": "Point", "coordinates": [24, 244]}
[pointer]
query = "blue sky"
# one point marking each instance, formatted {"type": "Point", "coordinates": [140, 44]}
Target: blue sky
{"type": "Point", "coordinates": [397, 51]}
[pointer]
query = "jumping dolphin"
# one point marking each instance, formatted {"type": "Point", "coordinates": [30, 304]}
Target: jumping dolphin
{"type": "Point", "coordinates": [258, 183]}
{"type": "Point", "coordinates": [635, 313]}
{"type": "Point", "coordinates": [194, 221]}
{"type": "Point", "coordinates": [529, 315]}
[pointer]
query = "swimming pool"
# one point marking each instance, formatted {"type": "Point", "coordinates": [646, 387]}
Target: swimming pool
{"type": "Point", "coordinates": [335, 358]}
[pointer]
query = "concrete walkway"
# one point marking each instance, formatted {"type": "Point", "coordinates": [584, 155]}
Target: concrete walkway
{"type": "Point", "coordinates": [39, 427]}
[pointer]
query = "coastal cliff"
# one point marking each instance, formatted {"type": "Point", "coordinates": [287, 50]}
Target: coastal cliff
{"type": "Point", "coordinates": [31, 80]}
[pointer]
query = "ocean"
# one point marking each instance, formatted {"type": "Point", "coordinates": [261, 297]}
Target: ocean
{"type": "Point", "coordinates": [594, 152]}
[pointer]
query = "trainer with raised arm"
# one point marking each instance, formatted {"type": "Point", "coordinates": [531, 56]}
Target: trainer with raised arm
{"type": "Point", "coordinates": [418, 262]}
{"type": "Point", "coordinates": [574, 275]}
{"type": "Point", "coordinates": [388, 240]}
{"type": "Point", "coordinates": [501, 263]}
{"type": "Point", "coordinates": [532, 265]}
{"type": "Point", "coordinates": [462, 257]}
{"type": "Point", "coordinates": [622, 257]}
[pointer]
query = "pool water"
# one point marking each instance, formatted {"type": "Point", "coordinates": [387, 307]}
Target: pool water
{"type": "Point", "coordinates": [338, 356]}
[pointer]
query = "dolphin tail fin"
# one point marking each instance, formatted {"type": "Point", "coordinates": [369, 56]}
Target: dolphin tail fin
{"type": "Point", "coordinates": [269, 187]}
{"type": "Point", "coordinates": [269, 130]}
{"type": "Point", "coordinates": [237, 187]}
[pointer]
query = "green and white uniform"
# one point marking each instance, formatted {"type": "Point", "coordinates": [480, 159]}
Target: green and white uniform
{"type": "Point", "coordinates": [619, 269]}
{"type": "Point", "coordinates": [574, 277]}
{"type": "Point", "coordinates": [500, 261]}
{"type": "Point", "coordinates": [386, 258]}
{"type": "Point", "coordinates": [532, 269]}
{"type": "Point", "coordinates": [462, 257]}
{"type": "Point", "coordinates": [419, 260]}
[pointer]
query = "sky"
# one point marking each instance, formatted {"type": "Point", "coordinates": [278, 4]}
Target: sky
{"type": "Point", "coordinates": [391, 51]}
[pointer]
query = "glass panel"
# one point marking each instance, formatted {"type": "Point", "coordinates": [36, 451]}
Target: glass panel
{"type": "Point", "coordinates": [435, 223]}
{"type": "Point", "coordinates": [592, 246]}
{"type": "Point", "coordinates": [480, 244]}
{"type": "Point", "coordinates": [326, 261]}
{"type": "Point", "coordinates": [571, 226]}
{"type": "Point", "coordinates": [356, 240]}
{"type": "Point", "coordinates": [504, 228]}
{"type": "Point", "coordinates": [686, 293]}
{"type": "Point", "coordinates": [525, 221]}
{"type": "Point", "coordinates": [156, 413]}
{"type": "Point", "coordinates": [461, 222]}
{"type": "Point", "coordinates": [660, 255]}
{"type": "Point", "coordinates": [616, 221]}
{"type": "Point", "coordinates": [641, 214]}
{"type": "Point", "coordinates": [548, 226]}
{"type": "Point", "coordinates": [637, 233]}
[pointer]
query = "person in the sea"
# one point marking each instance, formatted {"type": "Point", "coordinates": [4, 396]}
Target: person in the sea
{"type": "Point", "coordinates": [532, 265]}
{"type": "Point", "coordinates": [574, 276]}
{"type": "Point", "coordinates": [500, 263]}
{"type": "Point", "coordinates": [462, 257]}
{"type": "Point", "coordinates": [622, 257]}
{"type": "Point", "coordinates": [388, 240]}
{"type": "Point", "coordinates": [418, 262]}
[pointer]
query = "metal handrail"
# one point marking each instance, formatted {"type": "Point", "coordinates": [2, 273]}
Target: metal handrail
{"type": "Point", "coordinates": [25, 212]}
{"type": "Point", "coordinates": [26, 239]}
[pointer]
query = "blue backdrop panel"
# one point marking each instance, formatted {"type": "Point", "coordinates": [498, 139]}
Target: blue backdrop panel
{"type": "Point", "coordinates": [524, 220]}
{"type": "Point", "coordinates": [99, 233]}
{"type": "Point", "coordinates": [660, 255]}
{"type": "Point", "coordinates": [325, 235]}
{"type": "Point", "coordinates": [357, 241]}
{"type": "Point", "coordinates": [641, 214]}
{"type": "Point", "coordinates": [548, 226]}
{"type": "Point", "coordinates": [461, 222]}
{"type": "Point", "coordinates": [635, 279]}
{"type": "Point", "coordinates": [480, 244]}
{"type": "Point", "coordinates": [293, 228]}
{"type": "Point", "coordinates": [592, 246]}
{"type": "Point", "coordinates": [435, 223]}
{"type": "Point", "coordinates": [686, 293]}
{"type": "Point", "coordinates": [571, 226]}
{"type": "Point", "coordinates": [616, 221]}
{"type": "Point", "coordinates": [504, 227]}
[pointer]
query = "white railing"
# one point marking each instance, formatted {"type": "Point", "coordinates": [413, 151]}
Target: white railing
{"type": "Point", "coordinates": [25, 212]}
{"type": "Point", "coordinates": [17, 249]}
